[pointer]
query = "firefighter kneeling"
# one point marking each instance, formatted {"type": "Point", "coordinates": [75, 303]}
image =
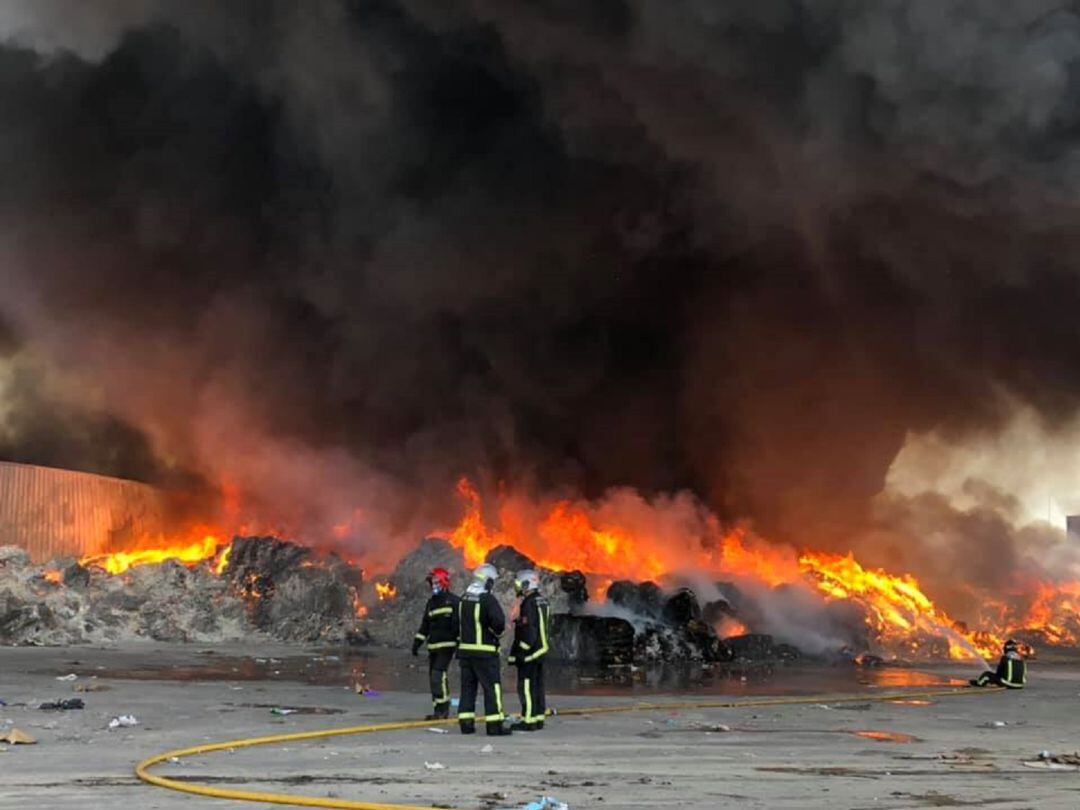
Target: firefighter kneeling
{"type": "Point", "coordinates": [480, 621]}
{"type": "Point", "coordinates": [1011, 669]}
{"type": "Point", "coordinates": [529, 649]}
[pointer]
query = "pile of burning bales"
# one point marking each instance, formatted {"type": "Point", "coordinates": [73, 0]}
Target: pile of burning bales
{"type": "Point", "coordinates": [270, 588]}
{"type": "Point", "coordinates": [257, 585]}
{"type": "Point", "coordinates": [278, 589]}
{"type": "Point", "coordinates": [632, 623]}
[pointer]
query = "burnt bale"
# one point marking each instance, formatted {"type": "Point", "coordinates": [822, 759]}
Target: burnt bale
{"type": "Point", "coordinates": [256, 563]}
{"type": "Point", "coordinates": [13, 558]}
{"type": "Point", "coordinates": [659, 642]}
{"type": "Point", "coordinates": [310, 604]}
{"type": "Point", "coordinates": [681, 608]}
{"type": "Point", "coordinates": [645, 599]}
{"type": "Point", "coordinates": [292, 593]}
{"type": "Point", "coordinates": [760, 647]}
{"type": "Point", "coordinates": [75, 576]}
{"type": "Point", "coordinates": [603, 640]}
{"type": "Point", "coordinates": [508, 558]}
{"type": "Point", "coordinates": [575, 586]}
{"type": "Point", "coordinates": [716, 611]}
{"type": "Point", "coordinates": [433, 552]}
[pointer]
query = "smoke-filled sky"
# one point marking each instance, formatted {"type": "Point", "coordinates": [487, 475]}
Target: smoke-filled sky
{"type": "Point", "coordinates": [336, 254]}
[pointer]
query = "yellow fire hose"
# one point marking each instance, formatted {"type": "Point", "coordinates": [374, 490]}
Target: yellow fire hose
{"type": "Point", "coordinates": [142, 769]}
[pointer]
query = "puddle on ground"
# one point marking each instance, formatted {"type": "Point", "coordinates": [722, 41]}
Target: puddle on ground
{"type": "Point", "coordinates": [287, 708]}
{"type": "Point", "coordinates": [386, 670]}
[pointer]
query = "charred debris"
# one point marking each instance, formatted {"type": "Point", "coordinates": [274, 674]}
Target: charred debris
{"type": "Point", "coordinates": [282, 590]}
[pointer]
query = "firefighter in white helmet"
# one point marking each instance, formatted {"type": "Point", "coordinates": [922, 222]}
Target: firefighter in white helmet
{"type": "Point", "coordinates": [480, 623]}
{"type": "Point", "coordinates": [529, 649]}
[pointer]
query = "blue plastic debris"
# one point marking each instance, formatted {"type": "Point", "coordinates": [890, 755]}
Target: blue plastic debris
{"type": "Point", "coordinates": [547, 803]}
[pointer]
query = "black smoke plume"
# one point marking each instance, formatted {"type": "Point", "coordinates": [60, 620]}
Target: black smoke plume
{"type": "Point", "coordinates": [338, 253]}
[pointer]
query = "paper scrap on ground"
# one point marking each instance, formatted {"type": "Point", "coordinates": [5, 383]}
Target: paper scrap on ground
{"type": "Point", "coordinates": [17, 737]}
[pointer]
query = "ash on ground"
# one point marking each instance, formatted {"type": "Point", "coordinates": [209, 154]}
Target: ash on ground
{"type": "Point", "coordinates": [269, 587]}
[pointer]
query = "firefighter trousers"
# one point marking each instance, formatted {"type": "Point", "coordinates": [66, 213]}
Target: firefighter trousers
{"type": "Point", "coordinates": [989, 678]}
{"type": "Point", "coordinates": [438, 676]}
{"type": "Point", "coordinates": [482, 671]}
{"type": "Point", "coordinates": [530, 689]}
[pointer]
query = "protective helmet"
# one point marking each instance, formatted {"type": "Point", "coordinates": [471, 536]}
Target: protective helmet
{"type": "Point", "coordinates": [486, 574]}
{"type": "Point", "coordinates": [1012, 645]}
{"type": "Point", "coordinates": [439, 577]}
{"type": "Point", "coordinates": [527, 580]}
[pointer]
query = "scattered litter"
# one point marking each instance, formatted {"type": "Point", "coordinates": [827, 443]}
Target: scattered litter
{"type": "Point", "coordinates": [174, 760]}
{"type": "Point", "coordinates": [487, 749]}
{"type": "Point", "coordinates": [3, 703]}
{"type": "Point", "coordinates": [90, 687]}
{"type": "Point", "coordinates": [1055, 762]}
{"type": "Point", "coordinates": [366, 691]}
{"type": "Point", "coordinates": [547, 803]}
{"type": "Point", "coordinates": [852, 707]}
{"type": "Point", "coordinates": [434, 730]}
{"type": "Point", "coordinates": [434, 766]}
{"type": "Point", "coordinates": [62, 705]}
{"type": "Point", "coordinates": [994, 724]}
{"type": "Point", "coordinates": [123, 721]}
{"type": "Point", "coordinates": [71, 677]}
{"type": "Point", "coordinates": [711, 727]}
{"type": "Point", "coordinates": [17, 737]}
{"type": "Point", "coordinates": [282, 712]}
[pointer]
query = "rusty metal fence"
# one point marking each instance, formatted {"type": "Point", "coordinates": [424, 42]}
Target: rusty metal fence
{"type": "Point", "coordinates": [51, 512]}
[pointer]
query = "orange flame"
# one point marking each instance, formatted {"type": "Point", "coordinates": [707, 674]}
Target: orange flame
{"type": "Point", "coordinates": [188, 553]}
{"type": "Point", "coordinates": [899, 614]}
{"type": "Point", "coordinates": [385, 590]}
{"type": "Point", "coordinates": [53, 576]}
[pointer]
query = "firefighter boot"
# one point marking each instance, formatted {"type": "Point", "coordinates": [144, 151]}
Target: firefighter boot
{"type": "Point", "coordinates": [498, 730]}
{"type": "Point", "coordinates": [467, 726]}
{"type": "Point", "coordinates": [442, 711]}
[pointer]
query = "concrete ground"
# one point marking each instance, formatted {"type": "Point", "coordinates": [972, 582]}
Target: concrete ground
{"type": "Point", "coordinates": [956, 752]}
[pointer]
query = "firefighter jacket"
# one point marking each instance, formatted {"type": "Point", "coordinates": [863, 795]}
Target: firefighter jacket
{"type": "Point", "coordinates": [1012, 670]}
{"type": "Point", "coordinates": [531, 630]}
{"type": "Point", "coordinates": [480, 623]}
{"type": "Point", "coordinates": [439, 627]}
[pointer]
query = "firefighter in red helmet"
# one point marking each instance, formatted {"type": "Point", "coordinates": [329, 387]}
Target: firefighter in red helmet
{"type": "Point", "coordinates": [439, 630]}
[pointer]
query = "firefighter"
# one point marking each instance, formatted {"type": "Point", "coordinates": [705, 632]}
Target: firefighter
{"type": "Point", "coordinates": [480, 621]}
{"type": "Point", "coordinates": [1011, 669]}
{"type": "Point", "coordinates": [529, 649]}
{"type": "Point", "coordinates": [439, 630]}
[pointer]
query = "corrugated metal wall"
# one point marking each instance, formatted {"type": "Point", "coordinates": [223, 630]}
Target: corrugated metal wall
{"type": "Point", "coordinates": [52, 512]}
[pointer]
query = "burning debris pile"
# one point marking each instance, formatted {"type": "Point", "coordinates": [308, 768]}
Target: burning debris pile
{"type": "Point", "coordinates": [614, 585]}
{"type": "Point", "coordinates": [637, 623]}
{"type": "Point", "coordinates": [253, 585]}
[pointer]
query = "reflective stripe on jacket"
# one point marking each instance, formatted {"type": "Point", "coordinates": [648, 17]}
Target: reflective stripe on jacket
{"type": "Point", "coordinates": [438, 628]}
{"type": "Point", "coordinates": [1012, 671]}
{"type": "Point", "coordinates": [480, 623]}
{"type": "Point", "coordinates": [531, 629]}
